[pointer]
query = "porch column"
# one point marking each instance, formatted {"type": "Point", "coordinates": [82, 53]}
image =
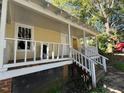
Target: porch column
{"type": "Point", "coordinates": [2, 30]}
{"type": "Point", "coordinates": [69, 38]}
{"type": "Point", "coordinates": [84, 39]}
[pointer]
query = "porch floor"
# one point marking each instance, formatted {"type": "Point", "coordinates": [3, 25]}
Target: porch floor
{"type": "Point", "coordinates": [23, 70]}
{"type": "Point", "coordinates": [49, 61]}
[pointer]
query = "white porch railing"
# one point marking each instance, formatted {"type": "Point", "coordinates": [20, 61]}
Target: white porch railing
{"type": "Point", "coordinates": [53, 52]}
{"type": "Point", "coordinates": [86, 63]}
{"type": "Point", "coordinates": [92, 52]}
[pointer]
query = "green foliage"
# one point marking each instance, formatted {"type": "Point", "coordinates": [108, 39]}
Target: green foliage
{"type": "Point", "coordinates": [55, 90]}
{"type": "Point", "coordinates": [96, 12]}
{"type": "Point", "coordinates": [103, 40]}
{"type": "Point", "coordinates": [119, 66]}
{"type": "Point", "coordinates": [107, 41]}
{"type": "Point", "coordinates": [121, 36]}
{"type": "Point", "coordinates": [99, 90]}
{"type": "Point", "coordinates": [91, 41]}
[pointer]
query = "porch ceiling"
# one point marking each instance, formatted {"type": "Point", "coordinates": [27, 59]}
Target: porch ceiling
{"type": "Point", "coordinates": [47, 12]}
{"type": "Point", "coordinates": [27, 16]}
{"type": "Point", "coordinates": [76, 32]}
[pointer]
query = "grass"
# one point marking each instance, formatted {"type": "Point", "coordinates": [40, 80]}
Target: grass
{"type": "Point", "coordinates": [119, 66]}
{"type": "Point", "coordinates": [99, 90]}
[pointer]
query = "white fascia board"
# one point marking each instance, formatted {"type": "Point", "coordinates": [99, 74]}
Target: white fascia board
{"type": "Point", "coordinates": [29, 70]}
{"type": "Point", "coordinates": [46, 61]}
{"type": "Point", "coordinates": [49, 13]}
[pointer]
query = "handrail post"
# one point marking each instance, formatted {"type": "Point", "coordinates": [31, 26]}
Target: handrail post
{"type": "Point", "coordinates": [84, 39]}
{"type": "Point", "coordinates": [104, 64]}
{"type": "Point", "coordinates": [93, 74]}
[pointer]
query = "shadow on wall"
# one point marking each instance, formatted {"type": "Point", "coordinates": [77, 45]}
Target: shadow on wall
{"type": "Point", "coordinates": [38, 82]}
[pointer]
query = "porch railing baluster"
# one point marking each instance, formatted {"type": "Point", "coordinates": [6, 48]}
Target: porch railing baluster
{"type": "Point", "coordinates": [26, 50]}
{"type": "Point", "coordinates": [34, 51]}
{"type": "Point", "coordinates": [53, 52]}
{"type": "Point", "coordinates": [58, 51]}
{"type": "Point", "coordinates": [41, 51]}
{"type": "Point", "coordinates": [15, 50]}
{"type": "Point", "coordinates": [48, 50]}
{"type": "Point", "coordinates": [62, 50]}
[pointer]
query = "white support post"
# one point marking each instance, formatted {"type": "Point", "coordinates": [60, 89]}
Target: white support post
{"type": "Point", "coordinates": [62, 50]}
{"type": "Point", "coordinates": [79, 58]}
{"type": "Point", "coordinates": [104, 64]}
{"type": "Point", "coordinates": [69, 40]}
{"type": "Point", "coordinates": [85, 62]}
{"type": "Point", "coordinates": [76, 56]}
{"type": "Point", "coordinates": [82, 61]}
{"type": "Point", "coordinates": [2, 30]}
{"type": "Point", "coordinates": [93, 74]}
{"type": "Point", "coordinates": [84, 39]}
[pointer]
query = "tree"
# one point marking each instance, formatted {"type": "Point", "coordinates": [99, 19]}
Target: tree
{"type": "Point", "coordinates": [102, 14]}
{"type": "Point", "coordinates": [106, 16]}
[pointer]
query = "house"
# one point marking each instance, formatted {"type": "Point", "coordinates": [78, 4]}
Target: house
{"type": "Point", "coordinates": [37, 36]}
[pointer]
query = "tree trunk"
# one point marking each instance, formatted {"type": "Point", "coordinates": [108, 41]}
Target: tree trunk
{"type": "Point", "coordinates": [107, 27]}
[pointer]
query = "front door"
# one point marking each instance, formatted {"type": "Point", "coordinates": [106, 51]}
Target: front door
{"type": "Point", "coordinates": [75, 43]}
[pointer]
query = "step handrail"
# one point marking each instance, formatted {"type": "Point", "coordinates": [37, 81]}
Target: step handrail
{"type": "Point", "coordinates": [86, 59]}
{"type": "Point", "coordinates": [90, 66]}
{"type": "Point", "coordinates": [85, 56]}
{"type": "Point", "coordinates": [98, 53]}
{"type": "Point", "coordinates": [104, 59]}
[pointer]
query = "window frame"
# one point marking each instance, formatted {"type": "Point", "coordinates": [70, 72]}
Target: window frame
{"type": "Point", "coordinates": [17, 25]}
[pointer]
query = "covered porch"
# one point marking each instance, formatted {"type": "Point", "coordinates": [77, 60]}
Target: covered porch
{"type": "Point", "coordinates": [35, 38]}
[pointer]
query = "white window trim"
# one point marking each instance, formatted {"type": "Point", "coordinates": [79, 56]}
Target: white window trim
{"type": "Point", "coordinates": [32, 34]}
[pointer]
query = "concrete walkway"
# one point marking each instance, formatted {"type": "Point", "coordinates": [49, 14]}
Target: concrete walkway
{"type": "Point", "coordinates": [114, 80]}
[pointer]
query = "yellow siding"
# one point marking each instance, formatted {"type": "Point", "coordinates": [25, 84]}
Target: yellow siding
{"type": "Point", "coordinates": [10, 30]}
{"type": "Point", "coordinates": [40, 34]}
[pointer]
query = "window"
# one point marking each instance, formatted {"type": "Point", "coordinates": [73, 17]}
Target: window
{"type": "Point", "coordinates": [24, 32]}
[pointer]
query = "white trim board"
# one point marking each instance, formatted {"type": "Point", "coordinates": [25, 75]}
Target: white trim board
{"type": "Point", "coordinates": [45, 61]}
{"type": "Point", "coordinates": [29, 70]}
{"type": "Point", "coordinates": [17, 25]}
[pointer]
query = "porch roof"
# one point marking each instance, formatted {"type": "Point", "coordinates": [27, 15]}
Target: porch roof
{"type": "Point", "coordinates": [54, 12]}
